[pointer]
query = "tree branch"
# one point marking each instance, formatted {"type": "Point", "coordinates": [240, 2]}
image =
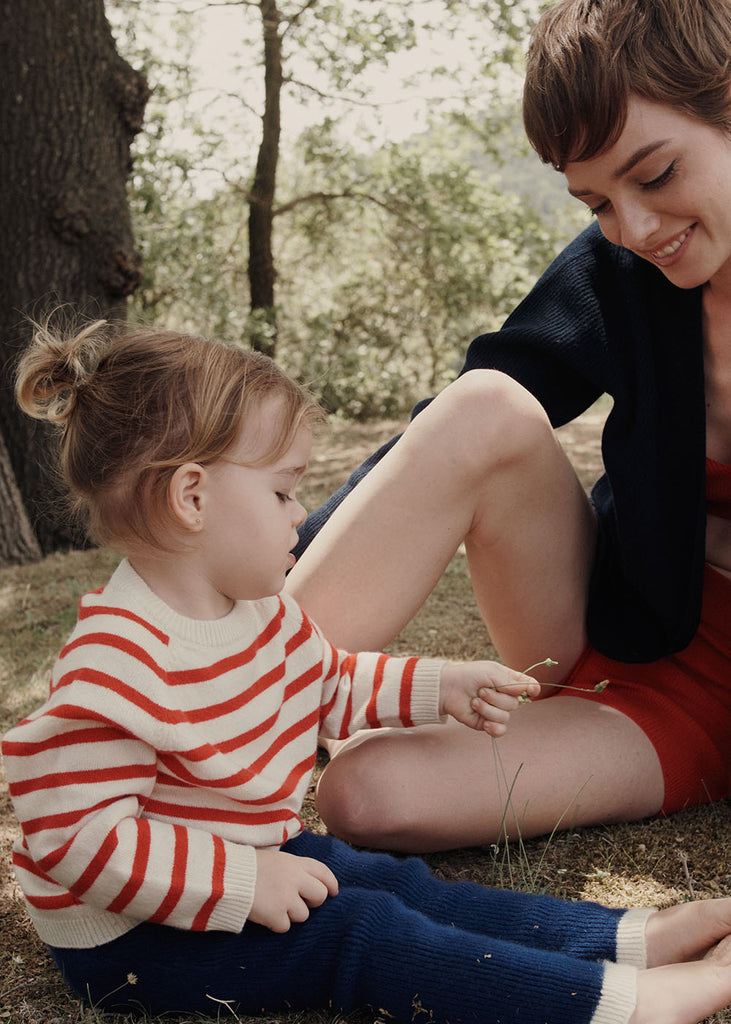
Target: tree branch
{"type": "Point", "coordinates": [298, 15]}
{"type": "Point", "coordinates": [306, 87]}
{"type": "Point", "coordinates": [397, 209]}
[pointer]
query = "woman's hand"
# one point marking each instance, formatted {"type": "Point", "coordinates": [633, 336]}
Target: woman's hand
{"type": "Point", "coordinates": [286, 888]}
{"type": "Point", "coordinates": [481, 694]}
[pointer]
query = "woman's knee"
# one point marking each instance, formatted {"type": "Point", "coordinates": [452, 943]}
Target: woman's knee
{"type": "Point", "coordinates": [482, 419]}
{"type": "Point", "coordinates": [359, 798]}
{"type": "Point", "coordinates": [490, 396]}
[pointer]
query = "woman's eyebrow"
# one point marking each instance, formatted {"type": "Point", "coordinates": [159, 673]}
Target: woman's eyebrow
{"type": "Point", "coordinates": [637, 157]}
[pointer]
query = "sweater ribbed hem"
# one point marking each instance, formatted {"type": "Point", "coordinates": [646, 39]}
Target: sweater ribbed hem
{"type": "Point", "coordinates": [79, 927]}
{"type": "Point", "coordinates": [619, 995]}
{"type": "Point", "coordinates": [83, 926]}
{"type": "Point", "coordinates": [631, 941]}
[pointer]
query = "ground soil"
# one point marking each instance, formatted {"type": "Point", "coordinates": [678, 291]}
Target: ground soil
{"type": "Point", "coordinates": [656, 862]}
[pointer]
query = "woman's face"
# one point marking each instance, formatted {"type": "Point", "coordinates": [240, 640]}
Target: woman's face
{"type": "Point", "coordinates": [663, 190]}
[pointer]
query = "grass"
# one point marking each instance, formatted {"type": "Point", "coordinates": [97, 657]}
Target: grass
{"type": "Point", "coordinates": [657, 862]}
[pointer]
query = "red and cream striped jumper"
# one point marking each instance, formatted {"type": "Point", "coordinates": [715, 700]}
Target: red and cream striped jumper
{"type": "Point", "coordinates": [170, 748]}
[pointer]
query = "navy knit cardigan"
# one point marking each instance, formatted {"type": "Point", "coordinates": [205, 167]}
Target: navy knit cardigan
{"type": "Point", "coordinates": [601, 320]}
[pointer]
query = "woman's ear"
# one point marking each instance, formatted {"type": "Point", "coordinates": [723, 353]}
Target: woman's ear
{"type": "Point", "coordinates": [186, 495]}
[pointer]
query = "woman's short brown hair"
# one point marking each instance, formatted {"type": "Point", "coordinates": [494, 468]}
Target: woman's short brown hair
{"type": "Point", "coordinates": [134, 405]}
{"type": "Point", "coordinates": [587, 57]}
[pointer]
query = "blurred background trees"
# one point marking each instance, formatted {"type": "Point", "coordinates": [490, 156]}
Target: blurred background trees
{"type": "Point", "coordinates": [274, 205]}
{"type": "Point", "coordinates": [388, 252]}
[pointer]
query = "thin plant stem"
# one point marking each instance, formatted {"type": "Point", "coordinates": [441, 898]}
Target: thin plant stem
{"type": "Point", "coordinates": [549, 662]}
{"type": "Point", "coordinates": [529, 875]}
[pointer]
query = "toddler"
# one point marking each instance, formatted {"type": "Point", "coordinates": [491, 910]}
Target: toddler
{"type": "Point", "coordinates": [163, 859]}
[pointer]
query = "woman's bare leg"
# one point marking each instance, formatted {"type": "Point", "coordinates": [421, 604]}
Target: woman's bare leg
{"type": "Point", "coordinates": [480, 464]}
{"type": "Point", "coordinates": [563, 762]}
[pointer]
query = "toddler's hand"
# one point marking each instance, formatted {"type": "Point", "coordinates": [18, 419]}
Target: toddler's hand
{"type": "Point", "coordinates": [287, 886]}
{"type": "Point", "coordinates": [481, 694]}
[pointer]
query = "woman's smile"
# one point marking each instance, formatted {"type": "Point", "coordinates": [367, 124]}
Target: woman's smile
{"type": "Point", "coordinates": [667, 253]}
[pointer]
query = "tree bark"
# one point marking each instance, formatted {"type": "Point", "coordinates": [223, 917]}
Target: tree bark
{"type": "Point", "coordinates": [18, 543]}
{"type": "Point", "coordinates": [261, 198]}
{"type": "Point", "coordinates": [70, 108]}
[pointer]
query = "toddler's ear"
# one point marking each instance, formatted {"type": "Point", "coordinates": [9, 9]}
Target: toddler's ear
{"type": "Point", "coordinates": [186, 495]}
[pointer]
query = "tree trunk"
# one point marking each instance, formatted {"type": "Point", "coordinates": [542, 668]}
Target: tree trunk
{"type": "Point", "coordinates": [70, 108]}
{"type": "Point", "coordinates": [18, 543]}
{"type": "Point", "coordinates": [261, 199]}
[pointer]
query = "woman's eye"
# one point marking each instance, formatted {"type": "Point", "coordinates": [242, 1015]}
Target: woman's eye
{"type": "Point", "coordinates": [597, 211]}
{"type": "Point", "coordinates": [648, 186]}
{"type": "Point", "coordinates": [662, 179]}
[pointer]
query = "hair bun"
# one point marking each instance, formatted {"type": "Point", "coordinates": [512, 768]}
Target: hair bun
{"type": "Point", "coordinates": [56, 366]}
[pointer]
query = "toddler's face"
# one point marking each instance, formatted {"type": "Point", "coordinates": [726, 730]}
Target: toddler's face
{"type": "Point", "coordinates": [252, 514]}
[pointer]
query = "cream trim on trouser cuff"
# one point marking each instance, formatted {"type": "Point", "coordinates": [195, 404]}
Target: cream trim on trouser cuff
{"type": "Point", "coordinates": [619, 995]}
{"type": "Point", "coordinates": [631, 942]}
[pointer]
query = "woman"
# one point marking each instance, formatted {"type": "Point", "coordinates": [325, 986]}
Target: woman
{"type": "Point", "coordinates": [630, 100]}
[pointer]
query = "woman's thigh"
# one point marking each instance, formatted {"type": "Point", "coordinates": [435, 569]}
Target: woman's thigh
{"type": "Point", "coordinates": [480, 464]}
{"type": "Point", "coordinates": [562, 763]}
{"type": "Point", "coordinates": [681, 702]}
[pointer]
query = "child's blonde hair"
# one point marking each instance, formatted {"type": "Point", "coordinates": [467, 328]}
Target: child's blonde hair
{"type": "Point", "coordinates": [134, 405]}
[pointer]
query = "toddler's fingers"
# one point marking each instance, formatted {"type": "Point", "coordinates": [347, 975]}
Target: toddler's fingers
{"type": "Point", "coordinates": [494, 729]}
{"type": "Point", "coordinates": [322, 872]}
{"type": "Point", "coordinates": [315, 893]}
{"type": "Point", "coordinates": [492, 711]}
{"type": "Point", "coordinates": [300, 910]}
{"type": "Point", "coordinates": [499, 698]}
{"type": "Point", "coordinates": [521, 684]}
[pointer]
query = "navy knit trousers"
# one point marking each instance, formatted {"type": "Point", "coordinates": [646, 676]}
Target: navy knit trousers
{"type": "Point", "coordinates": [395, 939]}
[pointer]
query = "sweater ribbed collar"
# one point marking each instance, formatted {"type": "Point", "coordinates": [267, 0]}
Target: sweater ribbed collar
{"type": "Point", "coordinates": [127, 589]}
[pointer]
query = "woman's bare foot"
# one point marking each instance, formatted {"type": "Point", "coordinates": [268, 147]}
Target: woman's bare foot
{"type": "Point", "coordinates": [685, 993]}
{"type": "Point", "coordinates": [686, 932]}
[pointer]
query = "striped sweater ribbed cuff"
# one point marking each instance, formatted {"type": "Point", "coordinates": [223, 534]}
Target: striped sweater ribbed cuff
{"type": "Point", "coordinates": [631, 941]}
{"type": "Point", "coordinates": [619, 995]}
{"type": "Point", "coordinates": [425, 699]}
{"type": "Point", "coordinates": [232, 910]}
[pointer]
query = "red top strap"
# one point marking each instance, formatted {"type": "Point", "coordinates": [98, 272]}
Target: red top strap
{"type": "Point", "coordinates": [718, 489]}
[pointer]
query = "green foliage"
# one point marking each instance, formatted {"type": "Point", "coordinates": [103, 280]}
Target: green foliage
{"type": "Point", "coordinates": [341, 40]}
{"type": "Point", "coordinates": [389, 257]}
{"type": "Point", "coordinates": [401, 276]}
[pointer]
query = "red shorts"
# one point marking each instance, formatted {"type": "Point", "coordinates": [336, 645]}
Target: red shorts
{"type": "Point", "coordinates": [682, 702]}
